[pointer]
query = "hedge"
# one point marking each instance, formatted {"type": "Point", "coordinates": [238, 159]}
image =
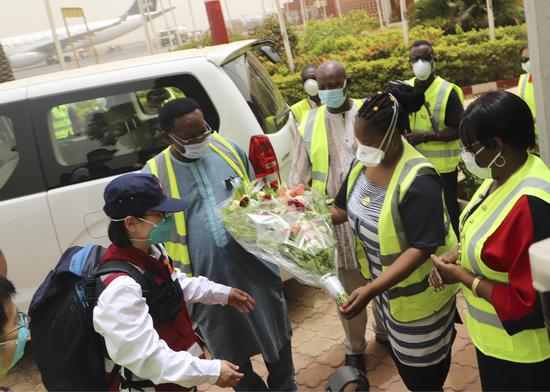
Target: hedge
{"type": "Point", "coordinates": [373, 58]}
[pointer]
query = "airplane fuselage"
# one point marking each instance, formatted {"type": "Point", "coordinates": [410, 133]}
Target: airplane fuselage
{"type": "Point", "coordinates": [30, 49]}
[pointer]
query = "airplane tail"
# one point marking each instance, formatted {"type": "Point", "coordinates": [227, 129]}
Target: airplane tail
{"type": "Point", "coordinates": [134, 9]}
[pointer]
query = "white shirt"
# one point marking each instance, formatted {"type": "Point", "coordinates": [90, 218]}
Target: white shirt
{"type": "Point", "coordinates": [122, 317]}
{"type": "Point", "coordinates": [342, 146]}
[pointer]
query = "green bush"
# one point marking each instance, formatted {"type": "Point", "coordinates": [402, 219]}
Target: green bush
{"type": "Point", "coordinates": [322, 32]}
{"type": "Point", "coordinates": [373, 58]}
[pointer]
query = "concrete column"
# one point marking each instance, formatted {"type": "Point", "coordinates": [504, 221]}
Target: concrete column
{"type": "Point", "coordinates": [538, 30]}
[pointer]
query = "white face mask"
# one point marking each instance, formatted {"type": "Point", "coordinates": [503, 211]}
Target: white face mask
{"type": "Point", "coordinates": [422, 69]}
{"type": "Point", "coordinates": [371, 156]}
{"type": "Point", "coordinates": [526, 66]}
{"type": "Point", "coordinates": [311, 87]}
{"type": "Point", "coordinates": [469, 159]}
{"type": "Point", "coordinates": [192, 151]}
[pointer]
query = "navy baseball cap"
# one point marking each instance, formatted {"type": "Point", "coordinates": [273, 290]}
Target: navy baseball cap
{"type": "Point", "coordinates": [135, 193]}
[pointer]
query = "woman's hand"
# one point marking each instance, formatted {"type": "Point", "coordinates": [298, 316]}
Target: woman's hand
{"type": "Point", "coordinates": [241, 301]}
{"type": "Point", "coordinates": [339, 215]}
{"type": "Point", "coordinates": [229, 376]}
{"type": "Point", "coordinates": [357, 302]}
{"type": "Point", "coordinates": [451, 256]}
{"type": "Point", "coordinates": [444, 272]}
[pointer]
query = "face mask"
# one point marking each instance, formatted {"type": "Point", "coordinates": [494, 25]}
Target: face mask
{"type": "Point", "coordinates": [22, 338]}
{"type": "Point", "coordinates": [526, 66]}
{"type": "Point", "coordinates": [469, 159]}
{"type": "Point", "coordinates": [192, 151]}
{"type": "Point", "coordinates": [162, 231]}
{"type": "Point", "coordinates": [311, 87]}
{"type": "Point", "coordinates": [422, 69]}
{"type": "Point", "coordinates": [333, 98]}
{"type": "Point", "coordinates": [371, 156]}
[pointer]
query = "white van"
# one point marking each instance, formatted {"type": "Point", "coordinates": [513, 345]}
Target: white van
{"type": "Point", "coordinates": [64, 136]}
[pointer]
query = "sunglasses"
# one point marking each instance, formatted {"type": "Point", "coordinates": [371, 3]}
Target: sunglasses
{"type": "Point", "coordinates": [524, 59]}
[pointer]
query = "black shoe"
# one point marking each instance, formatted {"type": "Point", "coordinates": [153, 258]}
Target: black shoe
{"type": "Point", "coordinates": [357, 361]}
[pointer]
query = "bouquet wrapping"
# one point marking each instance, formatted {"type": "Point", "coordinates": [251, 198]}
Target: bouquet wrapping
{"type": "Point", "coordinates": [289, 227]}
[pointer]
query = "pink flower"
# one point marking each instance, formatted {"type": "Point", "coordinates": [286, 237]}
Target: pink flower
{"type": "Point", "coordinates": [297, 190]}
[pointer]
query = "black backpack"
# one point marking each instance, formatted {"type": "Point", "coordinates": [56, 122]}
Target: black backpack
{"type": "Point", "coordinates": [67, 350]}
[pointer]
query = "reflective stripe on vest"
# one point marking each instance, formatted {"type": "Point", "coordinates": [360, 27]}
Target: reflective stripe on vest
{"type": "Point", "coordinates": [314, 133]}
{"type": "Point", "coordinates": [161, 166]}
{"type": "Point", "coordinates": [412, 298]}
{"type": "Point", "coordinates": [527, 92]}
{"type": "Point", "coordinates": [445, 156]}
{"type": "Point", "coordinates": [484, 325]}
{"type": "Point", "coordinates": [61, 122]}
{"type": "Point", "coordinates": [300, 109]}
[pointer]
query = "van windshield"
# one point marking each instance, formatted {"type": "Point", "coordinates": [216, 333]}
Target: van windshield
{"type": "Point", "coordinates": [261, 94]}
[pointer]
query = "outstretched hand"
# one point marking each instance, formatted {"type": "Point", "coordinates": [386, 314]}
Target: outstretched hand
{"type": "Point", "coordinates": [229, 376]}
{"type": "Point", "coordinates": [241, 300]}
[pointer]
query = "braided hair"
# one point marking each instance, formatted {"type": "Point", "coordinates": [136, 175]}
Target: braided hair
{"type": "Point", "coordinates": [378, 111]}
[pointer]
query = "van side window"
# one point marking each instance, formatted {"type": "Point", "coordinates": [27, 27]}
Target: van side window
{"type": "Point", "coordinates": [108, 130]}
{"type": "Point", "coordinates": [264, 99]}
{"type": "Point", "coordinates": [9, 157]}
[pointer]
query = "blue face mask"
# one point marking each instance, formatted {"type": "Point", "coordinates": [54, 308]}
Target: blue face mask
{"type": "Point", "coordinates": [22, 338]}
{"type": "Point", "coordinates": [334, 98]}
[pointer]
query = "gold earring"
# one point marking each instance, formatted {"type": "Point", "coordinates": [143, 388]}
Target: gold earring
{"type": "Point", "coordinates": [503, 161]}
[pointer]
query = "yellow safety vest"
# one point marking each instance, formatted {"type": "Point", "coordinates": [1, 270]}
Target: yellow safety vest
{"type": "Point", "coordinates": [313, 130]}
{"type": "Point", "coordinates": [300, 109]}
{"type": "Point", "coordinates": [526, 91]}
{"type": "Point", "coordinates": [61, 122]}
{"type": "Point", "coordinates": [412, 298]}
{"type": "Point", "coordinates": [161, 166]}
{"type": "Point", "coordinates": [484, 326]}
{"type": "Point", "coordinates": [445, 156]}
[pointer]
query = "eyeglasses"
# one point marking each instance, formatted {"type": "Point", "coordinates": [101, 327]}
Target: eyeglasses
{"type": "Point", "coordinates": [207, 132]}
{"type": "Point", "coordinates": [524, 59]}
{"type": "Point", "coordinates": [163, 215]}
{"type": "Point", "coordinates": [426, 57]}
{"type": "Point", "coordinates": [470, 147]}
{"type": "Point", "coordinates": [23, 320]}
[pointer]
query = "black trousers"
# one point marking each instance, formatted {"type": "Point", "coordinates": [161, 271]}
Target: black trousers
{"type": "Point", "coordinates": [450, 185]}
{"type": "Point", "coordinates": [429, 378]}
{"type": "Point", "coordinates": [500, 375]}
{"type": "Point", "coordinates": [281, 376]}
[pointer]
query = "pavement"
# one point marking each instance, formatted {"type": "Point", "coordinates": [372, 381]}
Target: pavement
{"type": "Point", "coordinates": [317, 352]}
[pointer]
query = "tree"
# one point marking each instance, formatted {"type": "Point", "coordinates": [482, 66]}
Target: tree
{"type": "Point", "coordinates": [466, 14]}
{"type": "Point", "coordinates": [6, 73]}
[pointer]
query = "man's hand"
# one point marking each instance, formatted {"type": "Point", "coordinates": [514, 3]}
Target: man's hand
{"type": "Point", "coordinates": [229, 376]}
{"type": "Point", "coordinates": [241, 301]}
{"type": "Point", "coordinates": [415, 138]}
{"type": "Point", "coordinates": [357, 302]}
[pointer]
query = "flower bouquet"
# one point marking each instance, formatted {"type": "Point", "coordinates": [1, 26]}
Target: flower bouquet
{"type": "Point", "coordinates": [290, 227]}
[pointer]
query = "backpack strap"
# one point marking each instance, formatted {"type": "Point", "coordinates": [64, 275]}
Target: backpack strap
{"type": "Point", "coordinates": [123, 267]}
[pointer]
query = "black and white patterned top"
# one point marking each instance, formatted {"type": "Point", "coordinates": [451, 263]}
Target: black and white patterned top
{"type": "Point", "coordinates": [422, 342]}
